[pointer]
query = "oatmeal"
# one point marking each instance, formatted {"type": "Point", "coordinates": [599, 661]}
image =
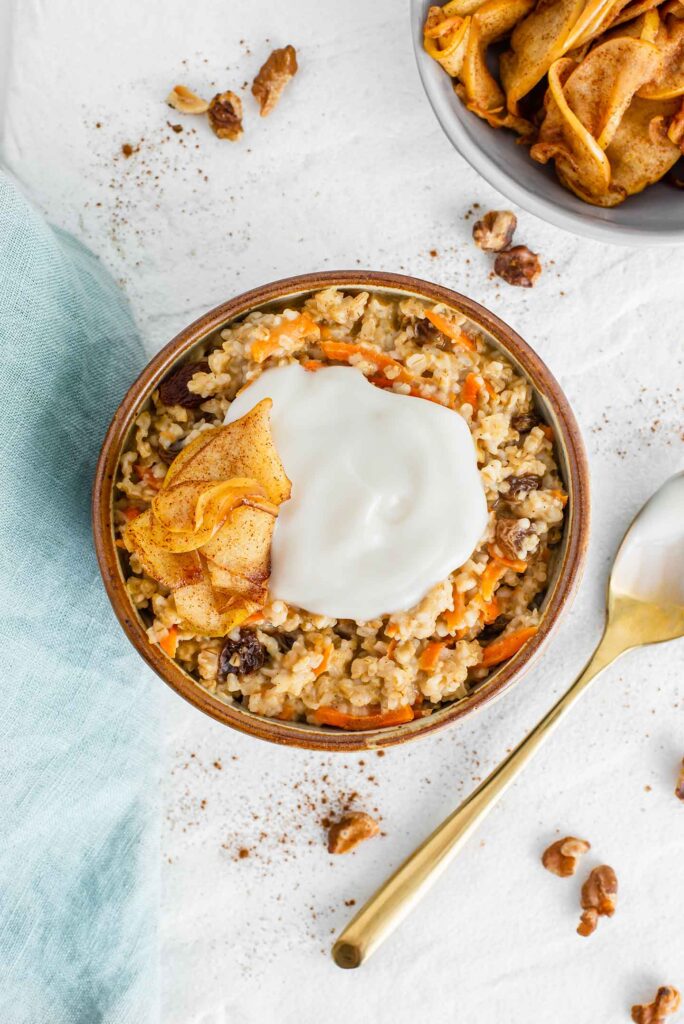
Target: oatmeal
{"type": "Point", "coordinates": [291, 663]}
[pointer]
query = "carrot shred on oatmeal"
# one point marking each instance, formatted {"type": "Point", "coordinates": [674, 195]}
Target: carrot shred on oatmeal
{"type": "Point", "coordinates": [511, 563]}
{"type": "Point", "coordinates": [443, 325]}
{"type": "Point", "coordinates": [506, 646]}
{"type": "Point", "coordinates": [342, 352]}
{"type": "Point", "coordinates": [470, 391]}
{"type": "Point", "coordinates": [562, 497]}
{"type": "Point", "coordinates": [391, 648]}
{"type": "Point", "coordinates": [312, 364]}
{"type": "Point", "coordinates": [131, 513]}
{"type": "Point", "coordinates": [298, 328]}
{"type": "Point", "coordinates": [547, 431]}
{"type": "Point", "coordinates": [496, 568]}
{"type": "Point", "coordinates": [429, 659]}
{"type": "Point", "coordinates": [147, 476]}
{"type": "Point", "coordinates": [169, 643]}
{"type": "Point", "coordinates": [325, 663]}
{"type": "Point", "coordinates": [381, 720]}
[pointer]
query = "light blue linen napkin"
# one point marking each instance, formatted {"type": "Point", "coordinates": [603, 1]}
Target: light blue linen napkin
{"type": "Point", "coordinates": [78, 710]}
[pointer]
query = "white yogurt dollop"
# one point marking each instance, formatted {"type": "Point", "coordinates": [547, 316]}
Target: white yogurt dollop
{"type": "Point", "coordinates": [386, 495]}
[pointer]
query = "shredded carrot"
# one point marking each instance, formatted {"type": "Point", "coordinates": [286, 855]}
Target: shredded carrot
{"type": "Point", "coordinates": [506, 646]}
{"type": "Point", "coordinates": [547, 431]}
{"type": "Point", "coordinates": [563, 498]}
{"type": "Point", "coordinates": [470, 391]}
{"type": "Point", "coordinates": [331, 716]}
{"type": "Point", "coordinates": [391, 629]}
{"type": "Point", "coordinates": [169, 643]}
{"type": "Point", "coordinates": [453, 618]}
{"type": "Point", "coordinates": [515, 564]}
{"type": "Point", "coordinates": [131, 513]}
{"type": "Point", "coordinates": [323, 667]}
{"type": "Point", "coordinates": [391, 648]}
{"type": "Point", "coordinates": [490, 390]}
{"type": "Point", "coordinates": [490, 609]}
{"type": "Point", "coordinates": [286, 715]}
{"type": "Point", "coordinates": [342, 351]}
{"type": "Point", "coordinates": [312, 364]}
{"type": "Point", "coordinates": [443, 325]}
{"type": "Point", "coordinates": [147, 476]}
{"type": "Point", "coordinates": [430, 657]}
{"type": "Point", "coordinates": [490, 577]}
{"type": "Point", "coordinates": [297, 328]}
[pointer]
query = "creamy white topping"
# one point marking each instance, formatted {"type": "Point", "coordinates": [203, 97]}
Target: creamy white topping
{"type": "Point", "coordinates": [386, 499]}
{"type": "Point", "coordinates": [650, 564]}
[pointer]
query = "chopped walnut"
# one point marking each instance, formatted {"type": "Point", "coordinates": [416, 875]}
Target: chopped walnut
{"type": "Point", "coordinates": [667, 1000]}
{"type": "Point", "coordinates": [346, 834]}
{"type": "Point", "coordinates": [562, 857]}
{"type": "Point", "coordinates": [273, 76]}
{"type": "Point", "coordinates": [495, 231]}
{"type": "Point", "coordinates": [518, 266]}
{"type": "Point", "coordinates": [599, 897]}
{"type": "Point", "coordinates": [509, 535]}
{"type": "Point", "coordinates": [679, 788]}
{"type": "Point", "coordinates": [225, 115]}
{"type": "Point", "coordinates": [181, 98]}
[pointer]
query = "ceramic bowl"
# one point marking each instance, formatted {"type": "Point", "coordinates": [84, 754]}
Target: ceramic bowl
{"type": "Point", "coordinates": [654, 217]}
{"type": "Point", "coordinates": [552, 405]}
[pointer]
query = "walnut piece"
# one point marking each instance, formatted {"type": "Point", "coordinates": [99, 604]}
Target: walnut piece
{"type": "Point", "coordinates": [599, 898]}
{"type": "Point", "coordinates": [181, 98]}
{"type": "Point", "coordinates": [346, 834]}
{"type": "Point", "coordinates": [495, 231]}
{"type": "Point", "coordinates": [562, 857]}
{"type": "Point", "coordinates": [667, 1000]}
{"type": "Point", "coordinates": [225, 115]}
{"type": "Point", "coordinates": [509, 535]}
{"type": "Point", "coordinates": [272, 78]}
{"type": "Point", "coordinates": [518, 266]}
{"type": "Point", "coordinates": [679, 788]}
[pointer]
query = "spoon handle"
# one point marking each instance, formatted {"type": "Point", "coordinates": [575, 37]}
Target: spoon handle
{"type": "Point", "coordinates": [387, 908]}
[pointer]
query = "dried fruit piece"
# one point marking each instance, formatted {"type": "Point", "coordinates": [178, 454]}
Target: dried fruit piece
{"type": "Point", "coordinates": [495, 230]}
{"type": "Point", "coordinates": [679, 788]}
{"type": "Point", "coordinates": [509, 535]}
{"type": "Point", "coordinates": [518, 266]}
{"type": "Point", "coordinates": [173, 390]}
{"type": "Point", "coordinates": [187, 102]}
{"type": "Point", "coordinates": [426, 333]}
{"type": "Point", "coordinates": [599, 898]}
{"type": "Point", "coordinates": [667, 1001]}
{"type": "Point", "coordinates": [520, 486]}
{"type": "Point", "coordinates": [562, 857]}
{"type": "Point", "coordinates": [225, 115]}
{"type": "Point", "coordinates": [272, 78]}
{"type": "Point", "coordinates": [346, 834]}
{"type": "Point", "coordinates": [524, 422]}
{"type": "Point", "coordinates": [241, 656]}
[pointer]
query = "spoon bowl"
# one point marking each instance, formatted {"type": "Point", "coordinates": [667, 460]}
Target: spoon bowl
{"type": "Point", "coordinates": [645, 605]}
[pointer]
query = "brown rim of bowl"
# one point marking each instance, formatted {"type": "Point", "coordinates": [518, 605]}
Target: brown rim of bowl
{"type": "Point", "coordinates": [570, 449]}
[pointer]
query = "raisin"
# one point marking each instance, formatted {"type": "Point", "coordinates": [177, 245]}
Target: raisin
{"type": "Point", "coordinates": [167, 455]}
{"type": "Point", "coordinates": [173, 390]}
{"type": "Point", "coordinates": [246, 651]}
{"type": "Point", "coordinates": [519, 486]}
{"type": "Point", "coordinates": [285, 641]}
{"type": "Point", "coordinates": [426, 332]}
{"type": "Point", "coordinates": [493, 629]}
{"type": "Point", "coordinates": [524, 422]}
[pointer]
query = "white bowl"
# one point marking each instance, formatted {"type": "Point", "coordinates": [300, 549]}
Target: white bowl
{"type": "Point", "coordinates": [654, 217]}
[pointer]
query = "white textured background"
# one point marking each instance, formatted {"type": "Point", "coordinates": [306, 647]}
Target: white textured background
{"type": "Point", "coordinates": [352, 171]}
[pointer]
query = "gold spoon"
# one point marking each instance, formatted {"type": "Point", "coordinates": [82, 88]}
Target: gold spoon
{"type": "Point", "coordinates": [645, 606]}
